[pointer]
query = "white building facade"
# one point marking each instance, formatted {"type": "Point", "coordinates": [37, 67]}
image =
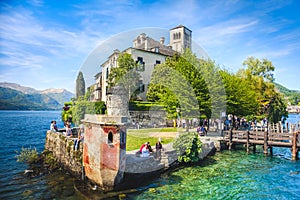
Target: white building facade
{"type": "Point", "coordinates": [147, 52]}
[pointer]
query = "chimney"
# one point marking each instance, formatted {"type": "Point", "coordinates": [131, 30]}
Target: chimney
{"type": "Point", "coordinates": [162, 40]}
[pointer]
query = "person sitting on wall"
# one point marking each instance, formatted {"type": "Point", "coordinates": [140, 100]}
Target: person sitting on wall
{"type": "Point", "coordinates": [79, 139]}
{"type": "Point", "coordinates": [53, 126]}
{"type": "Point", "coordinates": [145, 151]}
{"type": "Point", "coordinates": [141, 148]}
{"type": "Point", "coordinates": [68, 130]}
{"type": "Point", "coordinates": [199, 130]}
{"type": "Point", "coordinates": [149, 147]}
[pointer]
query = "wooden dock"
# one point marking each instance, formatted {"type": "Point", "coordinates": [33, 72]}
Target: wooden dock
{"type": "Point", "coordinates": [266, 138]}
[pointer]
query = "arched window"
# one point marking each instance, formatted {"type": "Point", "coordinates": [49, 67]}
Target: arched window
{"type": "Point", "coordinates": [110, 138]}
{"type": "Point", "coordinates": [174, 36]}
{"type": "Point", "coordinates": [179, 35]}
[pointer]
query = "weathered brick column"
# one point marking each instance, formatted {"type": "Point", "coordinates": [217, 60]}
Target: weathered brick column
{"type": "Point", "coordinates": [104, 151]}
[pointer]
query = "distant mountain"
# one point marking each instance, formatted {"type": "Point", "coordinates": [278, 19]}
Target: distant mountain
{"type": "Point", "coordinates": [16, 97]}
{"type": "Point", "coordinates": [15, 100]}
{"type": "Point", "coordinates": [14, 86]}
{"type": "Point", "coordinates": [60, 95]}
{"type": "Point", "coordinates": [285, 90]}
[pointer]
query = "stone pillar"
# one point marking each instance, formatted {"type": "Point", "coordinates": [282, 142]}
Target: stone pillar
{"type": "Point", "coordinates": [104, 151]}
{"type": "Point", "coordinates": [117, 102]}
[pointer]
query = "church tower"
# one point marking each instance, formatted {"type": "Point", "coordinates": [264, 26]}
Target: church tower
{"type": "Point", "coordinates": [180, 38]}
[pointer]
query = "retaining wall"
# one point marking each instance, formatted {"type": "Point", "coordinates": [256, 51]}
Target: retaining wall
{"type": "Point", "coordinates": [62, 149]}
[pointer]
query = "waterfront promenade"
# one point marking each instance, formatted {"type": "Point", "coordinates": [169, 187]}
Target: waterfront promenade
{"type": "Point", "coordinates": [136, 164]}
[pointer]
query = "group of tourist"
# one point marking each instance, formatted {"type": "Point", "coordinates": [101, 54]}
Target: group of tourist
{"type": "Point", "coordinates": [68, 132]}
{"type": "Point", "coordinates": [146, 149]}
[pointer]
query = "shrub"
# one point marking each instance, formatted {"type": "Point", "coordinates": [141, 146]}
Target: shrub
{"type": "Point", "coordinates": [27, 155]}
{"type": "Point", "coordinates": [188, 146]}
{"type": "Point", "coordinates": [82, 107]}
{"type": "Point", "coordinates": [67, 111]}
{"type": "Point", "coordinates": [143, 106]}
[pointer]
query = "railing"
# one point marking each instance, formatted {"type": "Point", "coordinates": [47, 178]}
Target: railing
{"type": "Point", "coordinates": [265, 138]}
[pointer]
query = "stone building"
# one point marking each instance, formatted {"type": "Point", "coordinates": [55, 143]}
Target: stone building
{"type": "Point", "coordinates": [147, 52]}
{"type": "Point", "coordinates": [180, 38]}
{"type": "Point", "coordinates": [96, 88]}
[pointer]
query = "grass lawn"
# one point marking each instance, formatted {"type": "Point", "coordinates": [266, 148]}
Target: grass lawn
{"type": "Point", "coordinates": [135, 142]}
{"type": "Point", "coordinates": [137, 137]}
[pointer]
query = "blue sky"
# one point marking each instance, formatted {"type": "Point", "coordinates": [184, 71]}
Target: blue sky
{"type": "Point", "coordinates": [44, 44]}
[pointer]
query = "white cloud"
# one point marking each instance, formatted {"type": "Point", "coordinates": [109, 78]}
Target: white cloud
{"type": "Point", "coordinates": [224, 32]}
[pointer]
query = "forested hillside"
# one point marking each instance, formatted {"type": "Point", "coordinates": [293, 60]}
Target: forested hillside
{"type": "Point", "coordinates": [293, 96]}
{"type": "Point", "coordinates": [15, 100]}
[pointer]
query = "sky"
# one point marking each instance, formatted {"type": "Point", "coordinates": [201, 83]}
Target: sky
{"type": "Point", "coordinates": [44, 44]}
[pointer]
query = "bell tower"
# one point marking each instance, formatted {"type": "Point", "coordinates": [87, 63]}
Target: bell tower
{"type": "Point", "coordinates": [180, 38]}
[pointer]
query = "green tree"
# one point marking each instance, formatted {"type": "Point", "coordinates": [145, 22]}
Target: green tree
{"type": "Point", "coordinates": [178, 84]}
{"type": "Point", "coordinates": [67, 111]}
{"type": "Point", "coordinates": [80, 85]}
{"type": "Point", "coordinates": [125, 75]}
{"type": "Point", "coordinates": [259, 77]}
{"type": "Point", "coordinates": [240, 99]}
{"type": "Point", "coordinates": [188, 147]}
{"type": "Point", "coordinates": [262, 68]}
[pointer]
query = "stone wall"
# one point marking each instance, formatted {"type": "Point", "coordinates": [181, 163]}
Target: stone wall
{"type": "Point", "coordinates": [136, 164]}
{"type": "Point", "coordinates": [63, 150]}
{"type": "Point", "coordinates": [148, 119]}
{"type": "Point", "coordinates": [139, 165]}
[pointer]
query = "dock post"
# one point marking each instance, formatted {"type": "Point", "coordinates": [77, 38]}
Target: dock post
{"type": "Point", "coordinates": [230, 139]}
{"type": "Point", "coordinates": [271, 150]}
{"type": "Point", "coordinates": [247, 144]}
{"type": "Point", "coordinates": [295, 150]}
{"type": "Point", "coordinates": [266, 142]}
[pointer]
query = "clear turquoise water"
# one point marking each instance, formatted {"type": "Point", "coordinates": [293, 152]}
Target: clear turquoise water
{"type": "Point", "coordinates": [227, 175]}
{"type": "Point", "coordinates": [231, 175]}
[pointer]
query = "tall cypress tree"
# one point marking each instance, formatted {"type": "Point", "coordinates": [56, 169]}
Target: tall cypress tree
{"type": "Point", "coordinates": [80, 85]}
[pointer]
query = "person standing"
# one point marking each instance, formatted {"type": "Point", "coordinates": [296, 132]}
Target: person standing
{"type": "Point", "coordinates": [158, 147]}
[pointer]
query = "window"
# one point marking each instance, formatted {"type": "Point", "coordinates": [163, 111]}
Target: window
{"type": "Point", "coordinates": [108, 90]}
{"type": "Point", "coordinates": [141, 86]}
{"type": "Point", "coordinates": [157, 62]}
{"type": "Point", "coordinates": [110, 138]}
{"type": "Point", "coordinates": [107, 71]}
{"type": "Point", "coordinates": [140, 64]}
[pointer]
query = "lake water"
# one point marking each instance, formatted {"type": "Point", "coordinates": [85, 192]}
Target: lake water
{"type": "Point", "coordinates": [226, 175]}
